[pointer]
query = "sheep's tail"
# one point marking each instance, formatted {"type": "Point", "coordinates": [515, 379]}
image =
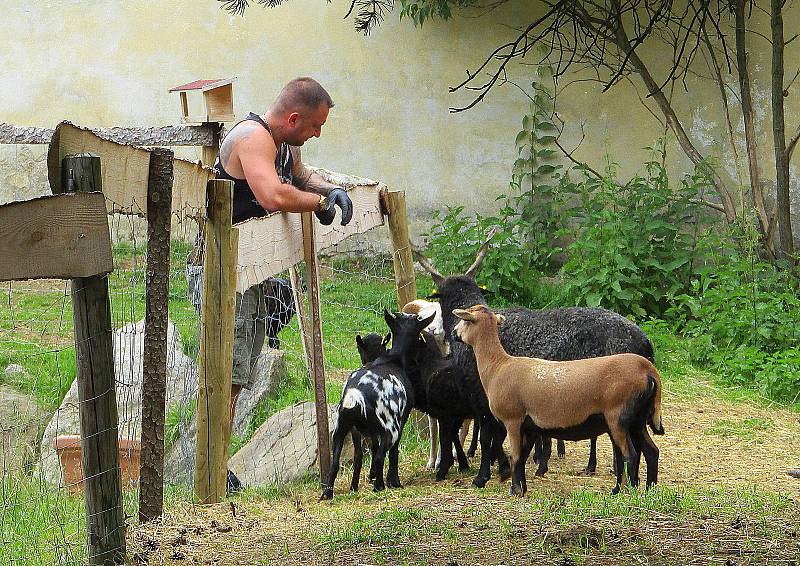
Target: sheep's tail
{"type": "Point", "coordinates": [654, 382]}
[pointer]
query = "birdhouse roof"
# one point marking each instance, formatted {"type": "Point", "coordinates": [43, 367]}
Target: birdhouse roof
{"type": "Point", "coordinates": [202, 84]}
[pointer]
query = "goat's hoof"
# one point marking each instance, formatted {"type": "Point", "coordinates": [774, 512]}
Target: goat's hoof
{"type": "Point", "coordinates": [378, 487]}
{"type": "Point", "coordinates": [516, 492]}
{"type": "Point", "coordinates": [327, 494]}
{"type": "Point", "coordinates": [541, 472]}
{"type": "Point", "coordinates": [480, 482]}
{"type": "Point", "coordinates": [616, 490]}
{"type": "Point", "coordinates": [463, 469]}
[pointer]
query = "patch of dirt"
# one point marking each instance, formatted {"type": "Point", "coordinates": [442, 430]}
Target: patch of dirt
{"type": "Point", "coordinates": [455, 524]}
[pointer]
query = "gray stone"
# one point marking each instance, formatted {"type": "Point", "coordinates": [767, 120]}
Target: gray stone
{"type": "Point", "coordinates": [128, 343]}
{"type": "Point", "coordinates": [21, 423]}
{"type": "Point", "coordinates": [283, 449]}
{"type": "Point", "coordinates": [14, 369]}
{"type": "Point", "coordinates": [179, 461]}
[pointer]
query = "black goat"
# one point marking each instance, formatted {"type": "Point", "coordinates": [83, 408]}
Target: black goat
{"type": "Point", "coordinates": [376, 402]}
{"type": "Point", "coordinates": [439, 391]}
{"type": "Point", "coordinates": [280, 309]}
{"type": "Point", "coordinates": [556, 334]}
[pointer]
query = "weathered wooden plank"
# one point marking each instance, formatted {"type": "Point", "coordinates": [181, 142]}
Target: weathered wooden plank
{"type": "Point", "coordinates": [216, 345]}
{"type": "Point", "coordinates": [402, 259]}
{"type": "Point", "coordinates": [274, 243]}
{"type": "Point", "coordinates": [182, 135]}
{"type": "Point", "coordinates": [156, 318]}
{"type": "Point", "coordinates": [94, 355]}
{"type": "Point", "coordinates": [125, 172]}
{"type": "Point", "coordinates": [55, 237]}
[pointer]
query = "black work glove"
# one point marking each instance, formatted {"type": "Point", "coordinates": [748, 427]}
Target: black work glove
{"type": "Point", "coordinates": [339, 198]}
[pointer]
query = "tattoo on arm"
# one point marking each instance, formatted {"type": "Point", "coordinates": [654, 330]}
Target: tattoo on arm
{"type": "Point", "coordinates": [305, 179]}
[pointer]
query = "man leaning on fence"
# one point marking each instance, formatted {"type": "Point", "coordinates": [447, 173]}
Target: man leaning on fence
{"type": "Point", "coordinates": [261, 156]}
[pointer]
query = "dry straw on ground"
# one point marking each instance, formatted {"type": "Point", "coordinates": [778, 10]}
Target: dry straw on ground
{"type": "Point", "coordinates": [726, 447]}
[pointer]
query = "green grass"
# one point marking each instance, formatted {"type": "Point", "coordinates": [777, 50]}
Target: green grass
{"type": "Point", "coordinates": [38, 521]}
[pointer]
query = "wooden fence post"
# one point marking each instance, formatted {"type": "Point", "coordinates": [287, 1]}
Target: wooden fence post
{"type": "Point", "coordinates": [405, 279]}
{"type": "Point", "coordinates": [91, 311]}
{"type": "Point", "coordinates": [394, 203]}
{"type": "Point", "coordinates": [154, 380]}
{"type": "Point", "coordinates": [317, 356]}
{"type": "Point", "coordinates": [216, 344]}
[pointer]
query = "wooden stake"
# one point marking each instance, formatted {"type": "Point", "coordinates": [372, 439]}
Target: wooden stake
{"type": "Point", "coordinates": [394, 203]}
{"type": "Point", "coordinates": [302, 316]}
{"type": "Point", "coordinates": [91, 308]}
{"type": "Point", "coordinates": [318, 360]}
{"type": "Point", "coordinates": [216, 345]}
{"type": "Point", "coordinates": [405, 279]}
{"type": "Point", "coordinates": [156, 318]}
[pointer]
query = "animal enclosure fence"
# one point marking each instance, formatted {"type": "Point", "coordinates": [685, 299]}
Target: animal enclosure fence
{"type": "Point", "coordinates": [42, 519]}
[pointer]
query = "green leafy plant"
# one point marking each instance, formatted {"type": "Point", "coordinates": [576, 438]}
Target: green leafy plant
{"type": "Point", "coordinates": [637, 241]}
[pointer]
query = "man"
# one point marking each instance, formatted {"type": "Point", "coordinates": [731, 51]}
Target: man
{"type": "Point", "coordinates": [261, 156]}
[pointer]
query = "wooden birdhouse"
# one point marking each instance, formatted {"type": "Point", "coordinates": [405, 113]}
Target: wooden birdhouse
{"type": "Point", "coordinates": [206, 100]}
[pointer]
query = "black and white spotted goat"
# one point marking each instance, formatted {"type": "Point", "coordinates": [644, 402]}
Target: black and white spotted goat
{"type": "Point", "coordinates": [376, 402]}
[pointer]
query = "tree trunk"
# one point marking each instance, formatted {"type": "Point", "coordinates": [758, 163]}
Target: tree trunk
{"type": "Point", "coordinates": [622, 42]}
{"type": "Point", "coordinates": [779, 133]}
{"type": "Point", "coordinates": [757, 191]}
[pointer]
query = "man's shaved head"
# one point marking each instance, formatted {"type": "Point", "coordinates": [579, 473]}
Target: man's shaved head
{"type": "Point", "coordinates": [303, 93]}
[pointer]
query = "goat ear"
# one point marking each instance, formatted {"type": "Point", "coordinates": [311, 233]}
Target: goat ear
{"type": "Point", "coordinates": [434, 295]}
{"type": "Point", "coordinates": [500, 319]}
{"type": "Point", "coordinates": [359, 340]}
{"type": "Point", "coordinates": [464, 315]}
{"type": "Point", "coordinates": [388, 317]}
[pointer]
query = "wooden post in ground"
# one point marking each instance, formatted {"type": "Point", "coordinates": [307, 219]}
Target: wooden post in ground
{"type": "Point", "coordinates": [405, 279]}
{"type": "Point", "coordinates": [154, 380]}
{"type": "Point", "coordinates": [91, 311]}
{"type": "Point", "coordinates": [318, 360]}
{"type": "Point", "coordinates": [394, 203]}
{"type": "Point", "coordinates": [216, 344]}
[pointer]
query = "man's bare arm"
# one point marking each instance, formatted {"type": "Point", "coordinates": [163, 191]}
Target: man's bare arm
{"type": "Point", "coordinates": [306, 179]}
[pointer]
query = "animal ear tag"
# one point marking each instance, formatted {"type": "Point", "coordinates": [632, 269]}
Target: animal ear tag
{"type": "Point", "coordinates": [500, 319]}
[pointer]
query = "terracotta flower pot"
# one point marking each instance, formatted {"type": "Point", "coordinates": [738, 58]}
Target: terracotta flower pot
{"type": "Point", "coordinates": [68, 448]}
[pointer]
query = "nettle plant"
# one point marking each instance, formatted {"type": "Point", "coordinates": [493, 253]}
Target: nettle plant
{"type": "Point", "coordinates": [637, 241]}
{"type": "Point", "coordinates": [530, 214]}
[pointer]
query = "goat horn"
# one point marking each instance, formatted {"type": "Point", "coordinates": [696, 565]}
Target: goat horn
{"type": "Point", "coordinates": [426, 264]}
{"type": "Point", "coordinates": [473, 269]}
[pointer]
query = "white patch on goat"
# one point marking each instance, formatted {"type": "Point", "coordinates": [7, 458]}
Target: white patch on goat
{"type": "Point", "coordinates": [353, 397]}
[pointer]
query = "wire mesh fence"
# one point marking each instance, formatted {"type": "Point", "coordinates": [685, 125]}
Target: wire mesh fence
{"type": "Point", "coordinates": [42, 518]}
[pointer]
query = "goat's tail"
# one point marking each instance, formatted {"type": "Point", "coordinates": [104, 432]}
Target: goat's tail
{"type": "Point", "coordinates": [654, 382]}
{"type": "Point", "coordinates": [353, 398]}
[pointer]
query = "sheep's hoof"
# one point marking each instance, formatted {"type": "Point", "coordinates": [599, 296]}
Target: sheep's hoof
{"type": "Point", "coordinates": [327, 494]}
{"type": "Point", "coordinates": [395, 484]}
{"type": "Point", "coordinates": [616, 490]}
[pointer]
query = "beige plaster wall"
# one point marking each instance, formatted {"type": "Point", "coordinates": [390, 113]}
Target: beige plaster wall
{"type": "Point", "coordinates": [107, 63]}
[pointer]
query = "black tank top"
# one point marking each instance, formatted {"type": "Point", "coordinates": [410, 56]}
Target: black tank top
{"type": "Point", "coordinates": [245, 205]}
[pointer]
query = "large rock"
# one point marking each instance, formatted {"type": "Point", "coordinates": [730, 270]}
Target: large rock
{"type": "Point", "coordinates": [21, 422]}
{"type": "Point", "coordinates": [283, 449]}
{"type": "Point", "coordinates": [128, 344]}
{"type": "Point", "coordinates": [179, 462]}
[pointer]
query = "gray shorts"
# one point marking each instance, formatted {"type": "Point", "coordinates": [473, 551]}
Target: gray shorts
{"type": "Point", "coordinates": [249, 327]}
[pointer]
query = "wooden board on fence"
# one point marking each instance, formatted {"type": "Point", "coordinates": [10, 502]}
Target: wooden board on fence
{"type": "Point", "coordinates": [55, 237]}
{"type": "Point", "coordinates": [274, 243]}
{"type": "Point", "coordinates": [125, 169]}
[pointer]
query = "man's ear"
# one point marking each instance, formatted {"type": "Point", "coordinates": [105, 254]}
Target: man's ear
{"type": "Point", "coordinates": [293, 118]}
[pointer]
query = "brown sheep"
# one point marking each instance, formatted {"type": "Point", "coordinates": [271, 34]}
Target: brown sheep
{"type": "Point", "coordinates": [573, 400]}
